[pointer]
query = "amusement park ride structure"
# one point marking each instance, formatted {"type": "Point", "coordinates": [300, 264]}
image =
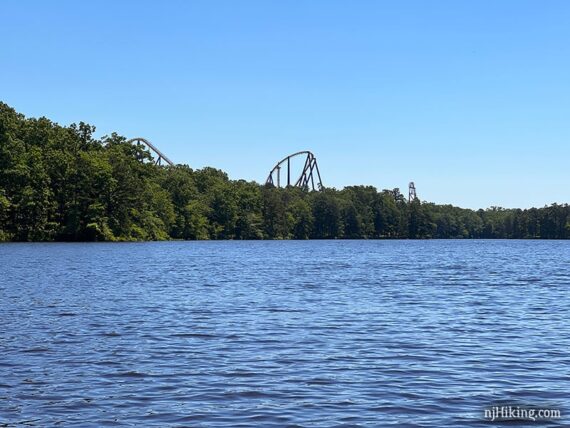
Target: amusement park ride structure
{"type": "Point", "coordinates": [159, 155]}
{"type": "Point", "coordinates": [412, 196]}
{"type": "Point", "coordinates": [309, 178]}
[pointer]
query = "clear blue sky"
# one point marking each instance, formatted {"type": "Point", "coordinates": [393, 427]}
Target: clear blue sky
{"type": "Point", "coordinates": [470, 99]}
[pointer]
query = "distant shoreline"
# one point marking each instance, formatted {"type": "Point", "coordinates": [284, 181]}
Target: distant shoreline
{"type": "Point", "coordinates": [289, 240]}
{"type": "Point", "coordinates": [60, 184]}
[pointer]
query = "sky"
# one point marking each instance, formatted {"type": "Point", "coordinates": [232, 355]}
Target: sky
{"type": "Point", "coordinates": [468, 99]}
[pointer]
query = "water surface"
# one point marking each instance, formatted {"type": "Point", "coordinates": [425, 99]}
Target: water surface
{"type": "Point", "coordinates": [275, 334]}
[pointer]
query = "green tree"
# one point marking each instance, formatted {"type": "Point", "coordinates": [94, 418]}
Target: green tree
{"type": "Point", "coordinates": [327, 215]}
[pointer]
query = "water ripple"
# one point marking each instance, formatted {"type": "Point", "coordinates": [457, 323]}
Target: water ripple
{"type": "Point", "coordinates": [274, 334]}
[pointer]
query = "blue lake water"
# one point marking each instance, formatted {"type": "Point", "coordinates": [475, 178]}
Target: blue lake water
{"type": "Point", "coordinates": [277, 334]}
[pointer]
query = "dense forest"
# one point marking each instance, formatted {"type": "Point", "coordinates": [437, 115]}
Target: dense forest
{"type": "Point", "coordinates": [60, 183]}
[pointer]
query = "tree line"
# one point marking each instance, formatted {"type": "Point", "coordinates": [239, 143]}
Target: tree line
{"type": "Point", "coordinates": [60, 183]}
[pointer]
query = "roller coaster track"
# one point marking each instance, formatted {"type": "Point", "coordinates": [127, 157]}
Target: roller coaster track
{"type": "Point", "coordinates": [310, 177]}
{"type": "Point", "coordinates": [307, 179]}
{"type": "Point", "coordinates": [159, 155]}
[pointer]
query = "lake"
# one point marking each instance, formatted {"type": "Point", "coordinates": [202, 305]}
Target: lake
{"type": "Point", "coordinates": [282, 333]}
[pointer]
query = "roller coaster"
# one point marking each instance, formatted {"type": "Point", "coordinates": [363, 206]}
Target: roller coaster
{"type": "Point", "coordinates": [310, 177]}
{"type": "Point", "coordinates": [159, 155]}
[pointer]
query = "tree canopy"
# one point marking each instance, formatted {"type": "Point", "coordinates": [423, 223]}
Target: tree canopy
{"type": "Point", "coordinates": [61, 183]}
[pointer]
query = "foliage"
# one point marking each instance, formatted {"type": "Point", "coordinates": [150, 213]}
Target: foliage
{"type": "Point", "coordinates": [60, 183]}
